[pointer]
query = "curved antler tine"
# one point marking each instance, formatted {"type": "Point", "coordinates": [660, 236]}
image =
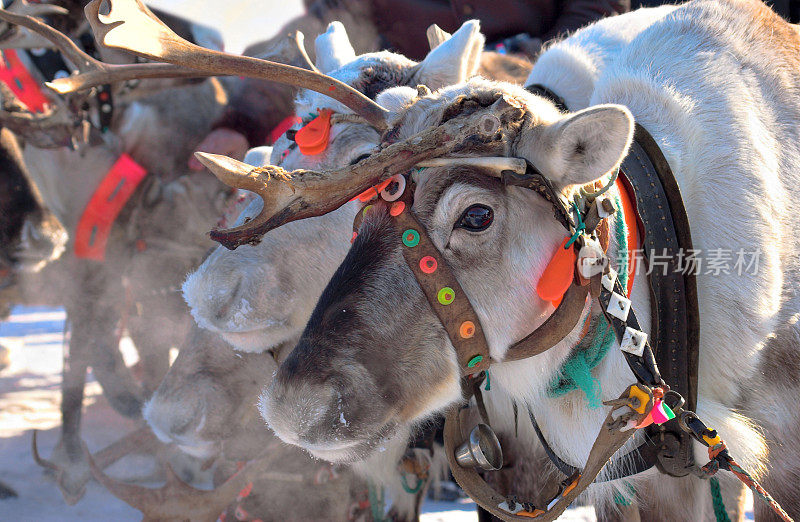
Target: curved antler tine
{"type": "Point", "coordinates": [138, 440]}
{"type": "Point", "coordinates": [37, 458]}
{"type": "Point", "coordinates": [23, 7]}
{"type": "Point", "coordinates": [135, 496]}
{"type": "Point", "coordinates": [299, 39]}
{"type": "Point", "coordinates": [81, 60]}
{"type": "Point", "coordinates": [132, 27]}
{"type": "Point", "coordinates": [144, 34]}
{"type": "Point", "coordinates": [109, 73]}
{"type": "Point", "coordinates": [177, 500]}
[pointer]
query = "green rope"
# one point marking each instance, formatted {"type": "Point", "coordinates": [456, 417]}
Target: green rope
{"type": "Point", "coordinates": [408, 489]}
{"type": "Point", "coordinates": [716, 497]}
{"type": "Point", "coordinates": [576, 372]}
{"type": "Point", "coordinates": [376, 505]}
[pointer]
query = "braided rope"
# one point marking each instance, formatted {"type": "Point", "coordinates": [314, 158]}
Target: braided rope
{"type": "Point", "coordinates": [757, 489]}
{"type": "Point", "coordinates": [719, 458]}
{"type": "Point", "coordinates": [720, 512]}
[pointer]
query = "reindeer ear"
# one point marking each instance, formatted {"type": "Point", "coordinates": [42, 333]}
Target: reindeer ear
{"type": "Point", "coordinates": [580, 147]}
{"type": "Point", "coordinates": [333, 48]}
{"type": "Point", "coordinates": [395, 99]}
{"type": "Point", "coordinates": [258, 156]}
{"type": "Point", "coordinates": [455, 59]}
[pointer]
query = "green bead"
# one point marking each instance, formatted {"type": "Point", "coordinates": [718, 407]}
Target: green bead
{"type": "Point", "coordinates": [474, 361]}
{"type": "Point", "coordinates": [446, 296]}
{"type": "Point", "coordinates": [410, 238]}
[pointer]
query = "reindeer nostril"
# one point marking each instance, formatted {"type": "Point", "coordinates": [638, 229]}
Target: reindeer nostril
{"type": "Point", "coordinates": [181, 426]}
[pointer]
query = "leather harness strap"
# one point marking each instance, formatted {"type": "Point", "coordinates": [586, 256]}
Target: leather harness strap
{"type": "Point", "coordinates": [675, 321]}
{"type": "Point", "coordinates": [610, 439]}
{"type": "Point", "coordinates": [107, 201]}
{"type": "Point", "coordinates": [444, 293]}
{"type": "Point", "coordinates": [674, 330]}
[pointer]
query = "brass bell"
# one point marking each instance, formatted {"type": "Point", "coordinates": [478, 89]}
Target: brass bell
{"type": "Point", "coordinates": [482, 450]}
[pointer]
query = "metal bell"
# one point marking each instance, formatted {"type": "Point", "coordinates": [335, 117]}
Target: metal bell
{"type": "Point", "coordinates": [482, 450]}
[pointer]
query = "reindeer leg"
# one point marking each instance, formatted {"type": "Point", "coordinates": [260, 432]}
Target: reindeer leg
{"type": "Point", "coordinates": [91, 341]}
{"type": "Point", "coordinates": [153, 336]}
{"type": "Point", "coordinates": [67, 460]}
{"type": "Point", "coordinates": [119, 386]}
{"type": "Point", "coordinates": [108, 366]}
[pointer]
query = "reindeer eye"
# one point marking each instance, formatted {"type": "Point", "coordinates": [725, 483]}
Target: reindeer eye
{"type": "Point", "coordinates": [476, 218]}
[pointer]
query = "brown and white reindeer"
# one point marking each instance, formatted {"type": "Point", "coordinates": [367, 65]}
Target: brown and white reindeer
{"type": "Point", "coordinates": [241, 283]}
{"type": "Point", "coordinates": [30, 235]}
{"type": "Point", "coordinates": [311, 193]}
{"type": "Point", "coordinates": [208, 402]}
{"type": "Point", "coordinates": [158, 235]}
{"type": "Point", "coordinates": [715, 84]}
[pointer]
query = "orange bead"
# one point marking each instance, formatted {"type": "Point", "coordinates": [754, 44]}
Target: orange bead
{"type": "Point", "coordinates": [466, 330]}
{"type": "Point", "coordinates": [428, 264]}
{"type": "Point", "coordinates": [397, 208]}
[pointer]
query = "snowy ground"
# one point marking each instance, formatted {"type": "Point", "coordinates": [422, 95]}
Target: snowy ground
{"type": "Point", "coordinates": [29, 399]}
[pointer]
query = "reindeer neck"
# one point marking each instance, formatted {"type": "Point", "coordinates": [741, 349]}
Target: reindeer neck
{"type": "Point", "coordinates": [67, 179]}
{"type": "Point", "coordinates": [590, 369]}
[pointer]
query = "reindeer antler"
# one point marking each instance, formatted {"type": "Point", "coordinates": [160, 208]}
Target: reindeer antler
{"type": "Point", "coordinates": [176, 500]}
{"type": "Point", "coordinates": [50, 128]}
{"type": "Point", "coordinates": [131, 26]}
{"type": "Point", "coordinates": [93, 72]}
{"type": "Point", "coordinates": [23, 7]}
{"type": "Point", "coordinates": [289, 196]}
{"type": "Point", "coordinates": [299, 40]}
{"type": "Point", "coordinates": [141, 439]}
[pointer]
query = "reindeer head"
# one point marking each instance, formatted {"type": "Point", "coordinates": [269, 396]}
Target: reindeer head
{"type": "Point", "coordinates": [259, 296]}
{"type": "Point", "coordinates": [374, 356]}
{"type": "Point", "coordinates": [30, 234]}
{"type": "Point", "coordinates": [207, 395]}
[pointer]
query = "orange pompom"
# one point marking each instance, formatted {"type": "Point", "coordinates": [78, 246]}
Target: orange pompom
{"type": "Point", "coordinates": [558, 274]}
{"type": "Point", "coordinates": [313, 137]}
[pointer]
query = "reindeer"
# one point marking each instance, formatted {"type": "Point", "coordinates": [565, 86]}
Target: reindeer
{"type": "Point", "coordinates": [313, 194]}
{"type": "Point", "coordinates": [234, 293]}
{"type": "Point", "coordinates": [30, 234]}
{"type": "Point", "coordinates": [374, 340]}
{"type": "Point", "coordinates": [136, 286]}
{"type": "Point", "coordinates": [213, 384]}
{"type": "Point", "coordinates": [231, 292]}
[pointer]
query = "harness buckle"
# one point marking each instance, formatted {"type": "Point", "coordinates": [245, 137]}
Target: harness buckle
{"type": "Point", "coordinates": [674, 456]}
